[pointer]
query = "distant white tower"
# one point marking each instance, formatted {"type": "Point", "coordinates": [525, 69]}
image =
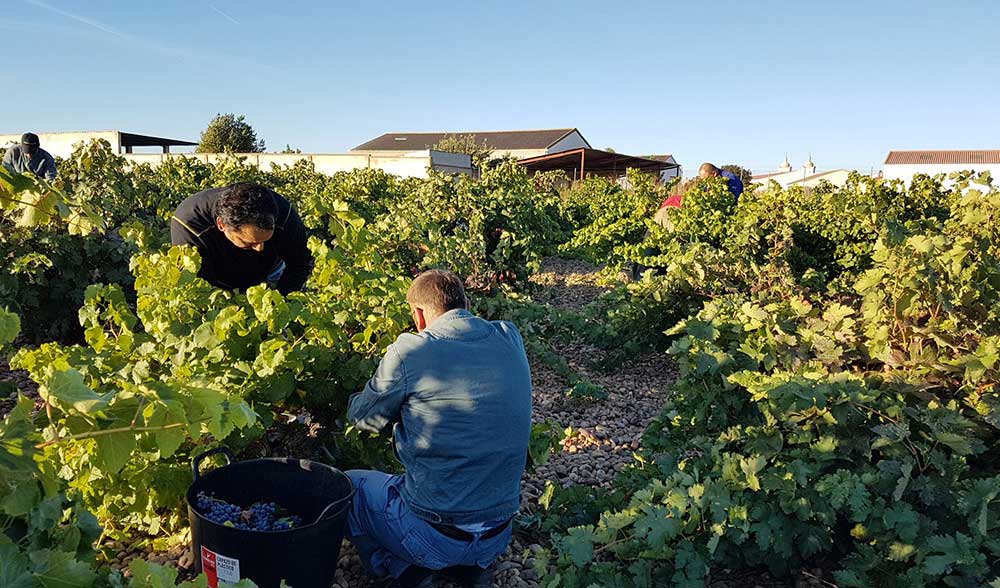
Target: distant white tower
{"type": "Point", "coordinates": [785, 167]}
{"type": "Point", "coordinates": [809, 167]}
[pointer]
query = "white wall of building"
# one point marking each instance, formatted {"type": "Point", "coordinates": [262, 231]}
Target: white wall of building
{"type": "Point", "coordinates": [573, 140]}
{"type": "Point", "coordinates": [674, 172]}
{"type": "Point", "coordinates": [800, 177]}
{"type": "Point", "coordinates": [401, 163]}
{"type": "Point", "coordinates": [61, 144]}
{"type": "Point", "coordinates": [519, 153]}
{"type": "Point", "coordinates": [837, 177]}
{"type": "Point", "coordinates": [906, 172]}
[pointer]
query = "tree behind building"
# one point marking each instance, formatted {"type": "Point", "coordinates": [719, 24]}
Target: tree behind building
{"type": "Point", "coordinates": [481, 153]}
{"type": "Point", "coordinates": [740, 172]}
{"type": "Point", "coordinates": [228, 133]}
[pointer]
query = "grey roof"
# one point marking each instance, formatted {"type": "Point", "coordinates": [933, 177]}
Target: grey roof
{"type": "Point", "coordinates": [497, 140]}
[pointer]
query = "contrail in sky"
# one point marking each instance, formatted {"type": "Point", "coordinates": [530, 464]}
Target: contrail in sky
{"type": "Point", "coordinates": [224, 15]}
{"type": "Point", "coordinates": [134, 40]}
{"type": "Point", "coordinates": [137, 41]}
{"type": "Point", "coordinates": [83, 19]}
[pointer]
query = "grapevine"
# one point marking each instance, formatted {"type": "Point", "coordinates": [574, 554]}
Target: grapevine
{"type": "Point", "coordinates": [838, 401]}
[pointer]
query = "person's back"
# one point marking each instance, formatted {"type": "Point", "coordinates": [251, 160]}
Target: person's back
{"type": "Point", "coordinates": [733, 182]}
{"type": "Point", "coordinates": [459, 394]}
{"type": "Point", "coordinates": [466, 420]}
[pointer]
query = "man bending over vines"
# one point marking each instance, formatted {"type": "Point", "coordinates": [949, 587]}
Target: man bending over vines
{"type": "Point", "coordinates": [247, 235]}
{"type": "Point", "coordinates": [459, 393]}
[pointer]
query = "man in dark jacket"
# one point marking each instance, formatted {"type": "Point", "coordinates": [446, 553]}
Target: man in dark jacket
{"type": "Point", "coordinates": [29, 157]}
{"type": "Point", "coordinates": [247, 234]}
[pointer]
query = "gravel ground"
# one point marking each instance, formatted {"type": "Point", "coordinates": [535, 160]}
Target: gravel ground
{"type": "Point", "coordinates": [12, 382]}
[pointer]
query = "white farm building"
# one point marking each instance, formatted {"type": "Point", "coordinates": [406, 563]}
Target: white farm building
{"type": "Point", "coordinates": [806, 176]}
{"type": "Point", "coordinates": [901, 165]}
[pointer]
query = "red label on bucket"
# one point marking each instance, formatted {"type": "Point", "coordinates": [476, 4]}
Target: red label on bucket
{"type": "Point", "coordinates": [219, 568]}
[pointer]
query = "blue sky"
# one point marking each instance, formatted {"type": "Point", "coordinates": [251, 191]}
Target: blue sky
{"type": "Point", "coordinates": [728, 82]}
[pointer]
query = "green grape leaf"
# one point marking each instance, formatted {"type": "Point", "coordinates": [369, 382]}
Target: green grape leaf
{"type": "Point", "coordinates": [149, 575]}
{"type": "Point", "coordinates": [14, 568]}
{"type": "Point", "coordinates": [60, 569]}
{"type": "Point", "coordinates": [578, 544]}
{"type": "Point", "coordinates": [901, 551]}
{"type": "Point", "coordinates": [21, 500]}
{"type": "Point", "coordinates": [114, 450]}
{"type": "Point", "coordinates": [10, 326]}
{"type": "Point", "coordinates": [168, 440]}
{"type": "Point", "coordinates": [67, 391]}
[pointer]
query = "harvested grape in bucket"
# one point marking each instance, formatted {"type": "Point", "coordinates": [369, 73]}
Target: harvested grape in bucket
{"type": "Point", "coordinates": [260, 516]}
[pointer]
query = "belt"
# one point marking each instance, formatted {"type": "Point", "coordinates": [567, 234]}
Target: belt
{"type": "Point", "coordinates": [460, 535]}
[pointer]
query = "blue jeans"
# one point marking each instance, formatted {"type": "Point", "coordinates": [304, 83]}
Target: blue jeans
{"type": "Point", "coordinates": [390, 538]}
{"type": "Point", "coordinates": [275, 275]}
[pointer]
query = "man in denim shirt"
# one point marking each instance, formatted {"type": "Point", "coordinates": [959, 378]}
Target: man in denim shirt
{"type": "Point", "coordinates": [29, 157]}
{"type": "Point", "coordinates": [459, 394]}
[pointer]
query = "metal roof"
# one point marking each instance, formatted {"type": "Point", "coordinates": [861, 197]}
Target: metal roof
{"type": "Point", "coordinates": [135, 140]}
{"type": "Point", "coordinates": [959, 157]}
{"type": "Point", "coordinates": [594, 161]}
{"type": "Point", "coordinates": [497, 140]}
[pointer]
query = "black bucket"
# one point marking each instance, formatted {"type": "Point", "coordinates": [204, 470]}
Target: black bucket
{"type": "Point", "coordinates": [305, 556]}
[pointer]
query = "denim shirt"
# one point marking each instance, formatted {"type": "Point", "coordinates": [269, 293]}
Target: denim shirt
{"type": "Point", "coordinates": [18, 162]}
{"type": "Point", "coordinates": [460, 395]}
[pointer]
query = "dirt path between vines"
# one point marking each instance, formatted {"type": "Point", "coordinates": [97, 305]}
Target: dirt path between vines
{"type": "Point", "coordinates": [13, 382]}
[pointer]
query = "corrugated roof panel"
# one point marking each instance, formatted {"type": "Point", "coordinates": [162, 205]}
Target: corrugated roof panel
{"type": "Point", "coordinates": [499, 140]}
{"type": "Point", "coordinates": [960, 157]}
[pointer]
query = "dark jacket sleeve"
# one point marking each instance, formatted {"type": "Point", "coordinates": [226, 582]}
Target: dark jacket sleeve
{"type": "Point", "coordinates": [181, 235]}
{"type": "Point", "coordinates": [296, 255]}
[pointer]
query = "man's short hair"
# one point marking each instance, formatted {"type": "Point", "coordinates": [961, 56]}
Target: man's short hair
{"type": "Point", "coordinates": [247, 203]}
{"type": "Point", "coordinates": [437, 290]}
{"type": "Point", "coordinates": [30, 139]}
{"type": "Point", "coordinates": [708, 168]}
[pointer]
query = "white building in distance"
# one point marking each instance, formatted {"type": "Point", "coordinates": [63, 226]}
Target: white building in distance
{"type": "Point", "coordinates": [61, 144]}
{"type": "Point", "coordinates": [806, 176]}
{"type": "Point", "coordinates": [413, 163]}
{"type": "Point", "coordinates": [901, 165]}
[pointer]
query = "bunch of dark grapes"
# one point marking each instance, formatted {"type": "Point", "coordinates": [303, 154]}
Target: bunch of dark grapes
{"type": "Point", "coordinates": [261, 516]}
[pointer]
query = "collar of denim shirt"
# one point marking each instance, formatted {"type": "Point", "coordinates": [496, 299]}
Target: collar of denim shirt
{"type": "Point", "coordinates": [458, 323]}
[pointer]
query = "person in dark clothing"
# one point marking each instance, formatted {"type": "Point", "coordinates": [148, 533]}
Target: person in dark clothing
{"type": "Point", "coordinates": [707, 170]}
{"type": "Point", "coordinates": [29, 157]}
{"type": "Point", "coordinates": [247, 234]}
